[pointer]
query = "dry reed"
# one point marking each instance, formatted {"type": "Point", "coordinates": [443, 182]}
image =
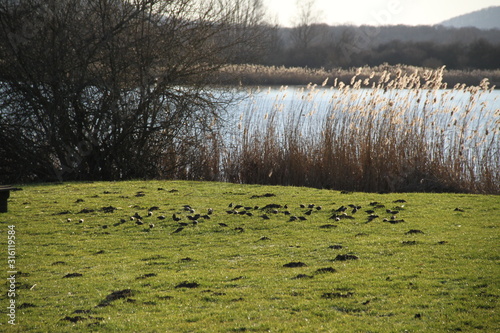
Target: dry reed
{"type": "Point", "coordinates": [404, 134]}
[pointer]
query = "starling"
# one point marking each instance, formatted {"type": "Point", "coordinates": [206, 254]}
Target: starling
{"type": "Point", "coordinates": [341, 209]}
{"type": "Point", "coordinates": [178, 230]}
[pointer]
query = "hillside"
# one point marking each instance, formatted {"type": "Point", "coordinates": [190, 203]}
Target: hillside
{"type": "Point", "coordinates": [483, 19]}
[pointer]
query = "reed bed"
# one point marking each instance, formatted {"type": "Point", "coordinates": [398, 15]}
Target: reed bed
{"type": "Point", "coordinates": [404, 134]}
{"type": "Point", "coordinates": [279, 75]}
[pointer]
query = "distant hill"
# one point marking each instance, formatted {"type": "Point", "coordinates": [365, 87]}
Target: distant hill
{"type": "Point", "coordinates": [488, 18]}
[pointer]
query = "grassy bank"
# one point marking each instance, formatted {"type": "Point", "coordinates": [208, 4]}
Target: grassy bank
{"type": "Point", "coordinates": [271, 75]}
{"type": "Point", "coordinates": [433, 266]}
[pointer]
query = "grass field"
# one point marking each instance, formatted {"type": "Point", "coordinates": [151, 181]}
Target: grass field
{"type": "Point", "coordinates": [432, 267]}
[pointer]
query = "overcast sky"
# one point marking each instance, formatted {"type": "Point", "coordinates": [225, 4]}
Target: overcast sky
{"type": "Point", "coordinates": [380, 12]}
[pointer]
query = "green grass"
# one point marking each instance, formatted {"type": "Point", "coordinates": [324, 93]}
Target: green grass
{"type": "Point", "coordinates": [444, 280]}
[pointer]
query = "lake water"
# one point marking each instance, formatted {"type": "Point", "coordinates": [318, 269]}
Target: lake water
{"type": "Point", "coordinates": [477, 111]}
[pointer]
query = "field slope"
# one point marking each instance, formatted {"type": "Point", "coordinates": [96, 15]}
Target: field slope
{"type": "Point", "coordinates": [430, 264]}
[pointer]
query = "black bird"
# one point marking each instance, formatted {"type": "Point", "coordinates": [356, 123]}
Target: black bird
{"type": "Point", "coordinates": [210, 211]}
{"type": "Point", "coordinates": [393, 212]}
{"type": "Point", "coordinates": [178, 230]}
{"type": "Point", "coordinates": [293, 218]}
{"type": "Point", "coordinates": [150, 213]}
{"type": "Point", "coordinates": [238, 206]}
{"type": "Point", "coordinates": [183, 224]}
{"type": "Point", "coordinates": [302, 218]}
{"type": "Point", "coordinates": [370, 211]}
{"type": "Point", "coordinates": [309, 212]}
{"type": "Point", "coordinates": [265, 217]}
{"type": "Point", "coordinates": [302, 206]}
{"type": "Point", "coordinates": [223, 224]}
{"type": "Point", "coordinates": [161, 217]}
{"type": "Point", "coordinates": [239, 229]}
{"type": "Point", "coordinates": [176, 218]}
{"type": "Point", "coordinates": [319, 207]}
{"type": "Point", "coordinates": [310, 206]}
{"type": "Point", "coordinates": [341, 209]}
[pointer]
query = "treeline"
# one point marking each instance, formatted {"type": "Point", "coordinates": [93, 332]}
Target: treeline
{"type": "Point", "coordinates": [343, 46]}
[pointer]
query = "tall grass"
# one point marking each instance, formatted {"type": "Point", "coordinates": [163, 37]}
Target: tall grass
{"type": "Point", "coordinates": [404, 134]}
{"type": "Point", "coordinates": [273, 75]}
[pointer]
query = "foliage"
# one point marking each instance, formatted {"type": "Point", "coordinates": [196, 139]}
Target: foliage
{"type": "Point", "coordinates": [111, 89]}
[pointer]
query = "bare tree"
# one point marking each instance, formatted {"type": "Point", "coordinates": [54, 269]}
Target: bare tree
{"type": "Point", "coordinates": [306, 28]}
{"type": "Point", "coordinates": [110, 89]}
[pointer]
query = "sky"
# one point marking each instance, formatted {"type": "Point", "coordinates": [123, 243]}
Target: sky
{"type": "Point", "coordinates": [378, 12]}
